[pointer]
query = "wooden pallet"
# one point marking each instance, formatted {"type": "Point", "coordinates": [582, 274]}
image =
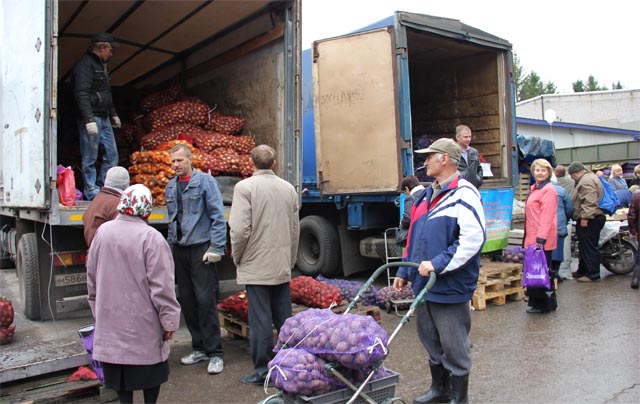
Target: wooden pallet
{"type": "Point", "coordinates": [240, 328]}
{"type": "Point", "coordinates": [497, 282]}
{"type": "Point", "coordinates": [523, 187]}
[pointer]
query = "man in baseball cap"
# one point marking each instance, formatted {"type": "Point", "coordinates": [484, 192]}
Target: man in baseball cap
{"type": "Point", "coordinates": [446, 236]}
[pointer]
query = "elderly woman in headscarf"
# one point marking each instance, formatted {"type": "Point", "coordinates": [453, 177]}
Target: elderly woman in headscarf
{"type": "Point", "coordinates": [130, 279]}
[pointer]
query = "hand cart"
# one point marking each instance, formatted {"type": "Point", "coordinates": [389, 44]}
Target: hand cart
{"type": "Point", "coordinates": [394, 256]}
{"type": "Point", "coordinates": [381, 389]}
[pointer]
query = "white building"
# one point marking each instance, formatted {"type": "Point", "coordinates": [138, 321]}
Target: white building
{"type": "Point", "coordinates": [606, 121]}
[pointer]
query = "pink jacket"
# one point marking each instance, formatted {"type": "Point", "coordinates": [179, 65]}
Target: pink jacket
{"type": "Point", "coordinates": [131, 292]}
{"type": "Point", "coordinates": [541, 216]}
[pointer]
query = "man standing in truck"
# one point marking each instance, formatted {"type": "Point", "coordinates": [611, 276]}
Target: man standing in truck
{"type": "Point", "coordinates": [469, 164]}
{"type": "Point", "coordinates": [92, 92]}
{"type": "Point", "coordinates": [446, 236]}
{"type": "Point", "coordinates": [197, 236]}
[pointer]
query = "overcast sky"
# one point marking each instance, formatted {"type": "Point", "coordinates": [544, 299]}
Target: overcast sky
{"type": "Point", "coordinates": [562, 40]}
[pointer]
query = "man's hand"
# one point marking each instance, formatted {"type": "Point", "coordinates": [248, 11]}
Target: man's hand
{"type": "Point", "coordinates": [210, 258]}
{"type": "Point", "coordinates": [92, 128]}
{"type": "Point", "coordinates": [399, 283]}
{"type": "Point", "coordinates": [425, 268]}
{"type": "Point", "coordinates": [584, 222]}
{"type": "Point", "coordinates": [168, 335]}
{"type": "Point", "coordinates": [116, 122]}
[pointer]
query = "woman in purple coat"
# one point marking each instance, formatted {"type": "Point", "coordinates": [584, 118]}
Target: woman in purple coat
{"type": "Point", "coordinates": [131, 293]}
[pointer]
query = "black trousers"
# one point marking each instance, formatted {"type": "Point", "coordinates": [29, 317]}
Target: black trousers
{"type": "Point", "coordinates": [269, 307]}
{"type": "Point", "coordinates": [198, 289]}
{"type": "Point", "coordinates": [589, 254]}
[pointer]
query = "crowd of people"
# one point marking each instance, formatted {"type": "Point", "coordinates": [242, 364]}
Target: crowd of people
{"type": "Point", "coordinates": [132, 268]}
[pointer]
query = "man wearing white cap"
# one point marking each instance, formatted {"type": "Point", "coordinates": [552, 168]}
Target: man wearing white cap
{"type": "Point", "coordinates": [104, 206]}
{"type": "Point", "coordinates": [446, 235]}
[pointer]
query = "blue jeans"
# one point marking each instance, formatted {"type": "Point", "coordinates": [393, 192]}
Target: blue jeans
{"type": "Point", "coordinates": [89, 145]}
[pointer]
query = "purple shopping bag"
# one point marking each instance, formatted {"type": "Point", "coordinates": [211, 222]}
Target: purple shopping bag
{"type": "Point", "coordinates": [535, 273]}
{"type": "Point", "coordinates": [86, 336]}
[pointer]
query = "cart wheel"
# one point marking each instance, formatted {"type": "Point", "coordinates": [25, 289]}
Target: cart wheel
{"type": "Point", "coordinates": [387, 306]}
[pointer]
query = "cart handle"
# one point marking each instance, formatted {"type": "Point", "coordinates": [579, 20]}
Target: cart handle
{"type": "Point", "coordinates": [383, 268]}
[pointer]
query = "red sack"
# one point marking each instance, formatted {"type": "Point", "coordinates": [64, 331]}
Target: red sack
{"type": "Point", "coordinates": [312, 293]}
{"type": "Point", "coordinates": [66, 186]}
{"type": "Point", "coordinates": [237, 305]}
{"type": "Point", "coordinates": [6, 312]}
{"type": "Point", "coordinates": [83, 373]}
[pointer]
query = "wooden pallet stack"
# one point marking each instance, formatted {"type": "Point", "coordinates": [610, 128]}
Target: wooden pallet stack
{"type": "Point", "coordinates": [240, 328]}
{"type": "Point", "coordinates": [497, 282]}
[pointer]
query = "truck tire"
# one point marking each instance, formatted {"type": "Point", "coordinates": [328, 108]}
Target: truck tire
{"type": "Point", "coordinates": [319, 247]}
{"type": "Point", "coordinates": [374, 247]}
{"type": "Point", "coordinates": [29, 279]}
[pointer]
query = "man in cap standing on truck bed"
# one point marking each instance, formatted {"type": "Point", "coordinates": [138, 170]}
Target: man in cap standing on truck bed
{"type": "Point", "coordinates": [197, 235]}
{"type": "Point", "coordinates": [446, 236]}
{"type": "Point", "coordinates": [92, 92]}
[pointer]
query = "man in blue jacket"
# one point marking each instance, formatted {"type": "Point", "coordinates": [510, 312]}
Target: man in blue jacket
{"type": "Point", "coordinates": [197, 235]}
{"type": "Point", "coordinates": [446, 236]}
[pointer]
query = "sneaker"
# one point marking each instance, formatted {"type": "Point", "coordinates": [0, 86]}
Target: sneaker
{"type": "Point", "coordinates": [194, 357]}
{"type": "Point", "coordinates": [216, 365]}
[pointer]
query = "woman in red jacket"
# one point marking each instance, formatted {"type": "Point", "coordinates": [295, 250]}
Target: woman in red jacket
{"type": "Point", "coordinates": [540, 229]}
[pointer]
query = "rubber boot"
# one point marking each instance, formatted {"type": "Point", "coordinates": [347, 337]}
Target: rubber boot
{"type": "Point", "coordinates": [634, 277]}
{"type": "Point", "coordinates": [459, 386]}
{"type": "Point", "coordinates": [440, 391]}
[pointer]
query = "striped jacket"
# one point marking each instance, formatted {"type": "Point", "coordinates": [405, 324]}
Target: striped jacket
{"type": "Point", "coordinates": [449, 232]}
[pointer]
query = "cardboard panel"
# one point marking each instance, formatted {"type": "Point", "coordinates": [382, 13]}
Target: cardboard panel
{"type": "Point", "coordinates": [356, 123]}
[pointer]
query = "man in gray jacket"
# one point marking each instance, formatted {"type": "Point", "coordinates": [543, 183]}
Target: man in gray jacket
{"type": "Point", "coordinates": [264, 244]}
{"type": "Point", "coordinates": [469, 165]}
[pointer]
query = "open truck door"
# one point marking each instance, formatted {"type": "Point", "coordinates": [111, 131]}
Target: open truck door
{"type": "Point", "coordinates": [356, 117]}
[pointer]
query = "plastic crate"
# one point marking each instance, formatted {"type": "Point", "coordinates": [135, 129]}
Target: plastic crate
{"type": "Point", "coordinates": [378, 390]}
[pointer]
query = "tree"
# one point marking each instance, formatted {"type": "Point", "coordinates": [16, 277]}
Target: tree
{"type": "Point", "coordinates": [592, 85]}
{"type": "Point", "coordinates": [530, 86]}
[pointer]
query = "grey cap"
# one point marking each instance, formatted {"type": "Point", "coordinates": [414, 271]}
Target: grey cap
{"type": "Point", "coordinates": [117, 177]}
{"type": "Point", "coordinates": [443, 145]}
{"type": "Point", "coordinates": [104, 37]}
{"type": "Point", "coordinates": [575, 166]}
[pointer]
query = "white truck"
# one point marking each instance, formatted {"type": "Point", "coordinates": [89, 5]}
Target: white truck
{"type": "Point", "coordinates": [243, 56]}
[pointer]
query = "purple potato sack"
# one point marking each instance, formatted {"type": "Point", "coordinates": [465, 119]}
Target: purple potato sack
{"type": "Point", "coordinates": [349, 290]}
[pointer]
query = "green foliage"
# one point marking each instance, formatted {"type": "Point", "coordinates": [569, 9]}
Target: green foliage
{"type": "Point", "coordinates": [530, 85]}
{"type": "Point", "coordinates": [592, 85]}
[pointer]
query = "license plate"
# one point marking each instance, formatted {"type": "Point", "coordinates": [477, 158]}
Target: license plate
{"type": "Point", "coordinates": [70, 279]}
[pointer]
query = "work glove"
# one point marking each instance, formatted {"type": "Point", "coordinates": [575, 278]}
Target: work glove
{"type": "Point", "coordinates": [210, 258]}
{"type": "Point", "coordinates": [92, 128]}
{"type": "Point", "coordinates": [116, 122]}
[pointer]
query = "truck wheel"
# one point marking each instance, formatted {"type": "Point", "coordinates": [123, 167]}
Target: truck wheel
{"type": "Point", "coordinates": [319, 247]}
{"type": "Point", "coordinates": [623, 262]}
{"type": "Point", "coordinates": [29, 279]}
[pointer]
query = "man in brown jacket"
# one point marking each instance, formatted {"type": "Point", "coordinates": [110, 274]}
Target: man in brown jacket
{"type": "Point", "coordinates": [264, 244]}
{"type": "Point", "coordinates": [104, 206]}
{"type": "Point", "coordinates": [590, 220]}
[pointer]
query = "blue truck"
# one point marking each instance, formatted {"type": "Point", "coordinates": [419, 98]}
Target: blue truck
{"type": "Point", "coordinates": [371, 97]}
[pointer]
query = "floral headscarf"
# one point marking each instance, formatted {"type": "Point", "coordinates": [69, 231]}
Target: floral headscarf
{"type": "Point", "coordinates": [136, 201]}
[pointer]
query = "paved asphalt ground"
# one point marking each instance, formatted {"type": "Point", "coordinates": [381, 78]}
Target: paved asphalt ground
{"type": "Point", "coordinates": [588, 351]}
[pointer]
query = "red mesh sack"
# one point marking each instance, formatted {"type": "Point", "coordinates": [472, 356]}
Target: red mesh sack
{"type": "Point", "coordinates": [237, 305]}
{"type": "Point", "coordinates": [6, 334]}
{"type": "Point", "coordinates": [194, 112]}
{"type": "Point", "coordinates": [6, 312]}
{"type": "Point", "coordinates": [309, 292]}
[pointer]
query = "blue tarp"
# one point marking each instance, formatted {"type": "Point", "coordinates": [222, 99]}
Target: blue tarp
{"type": "Point", "coordinates": [531, 148]}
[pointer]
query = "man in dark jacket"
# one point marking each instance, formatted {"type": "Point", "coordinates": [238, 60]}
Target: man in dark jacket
{"type": "Point", "coordinates": [92, 92]}
{"type": "Point", "coordinates": [469, 164]}
{"type": "Point", "coordinates": [104, 206]}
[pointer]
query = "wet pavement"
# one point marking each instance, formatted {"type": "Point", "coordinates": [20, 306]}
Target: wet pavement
{"type": "Point", "coordinates": [588, 351]}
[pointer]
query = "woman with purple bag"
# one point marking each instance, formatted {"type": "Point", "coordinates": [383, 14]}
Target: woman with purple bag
{"type": "Point", "coordinates": [540, 230]}
{"type": "Point", "coordinates": [130, 279]}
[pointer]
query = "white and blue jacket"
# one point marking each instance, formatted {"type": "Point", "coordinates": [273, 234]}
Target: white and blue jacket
{"type": "Point", "coordinates": [449, 232]}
